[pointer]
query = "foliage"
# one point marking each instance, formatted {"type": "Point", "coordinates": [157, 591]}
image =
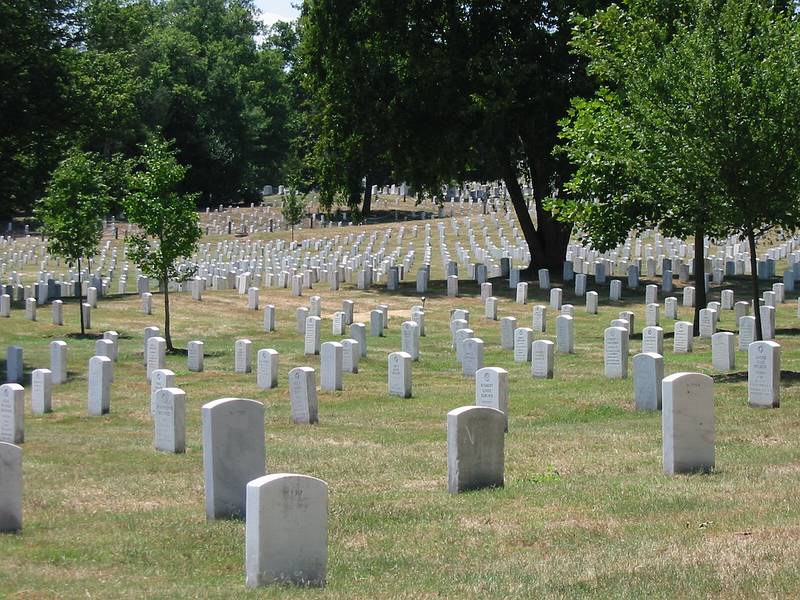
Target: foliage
{"type": "Point", "coordinates": [431, 92]}
{"type": "Point", "coordinates": [106, 74]}
{"type": "Point", "coordinates": [72, 210]}
{"type": "Point", "coordinates": [702, 130]}
{"type": "Point", "coordinates": [107, 92]}
{"type": "Point", "coordinates": [293, 208]}
{"type": "Point", "coordinates": [166, 217]}
{"type": "Point", "coordinates": [33, 97]}
{"type": "Point", "coordinates": [347, 58]}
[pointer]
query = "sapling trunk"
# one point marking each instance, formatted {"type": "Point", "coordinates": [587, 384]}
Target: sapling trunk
{"type": "Point", "coordinates": [751, 241]}
{"type": "Point", "coordinates": [167, 334]}
{"type": "Point", "coordinates": [80, 297]}
{"type": "Point", "coordinates": [366, 206]}
{"type": "Point", "coordinates": [699, 276]}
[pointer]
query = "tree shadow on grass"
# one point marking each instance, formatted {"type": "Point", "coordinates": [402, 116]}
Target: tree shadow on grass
{"type": "Point", "coordinates": [787, 377]}
{"type": "Point", "coordinates": [787, 331]}
{"type": "Point", "coordinates": [84, 336]}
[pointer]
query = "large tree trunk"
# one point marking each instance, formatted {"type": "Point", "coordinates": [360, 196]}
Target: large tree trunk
{"type": "Point", "coordinates": [80, 298]}
{"type": "Point", "coordinates": [548, 240]}
{"type": "Point", "coordinates": [553, 235]}
{"type": "Point", "coordinates": [366, 206]}
{"type": "Point", "coordinates": [751, 241]}
{"type": "Point", "coordinates": [699, 276]}
{"type": "Point", "coordinates": [167, 333]}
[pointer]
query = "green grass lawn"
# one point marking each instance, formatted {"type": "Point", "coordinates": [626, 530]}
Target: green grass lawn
{"type": "Point", "coordinates": [586, 510]}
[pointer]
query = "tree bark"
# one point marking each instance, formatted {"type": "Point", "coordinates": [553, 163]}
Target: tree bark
{"type": "Point", "coordinates": [521, 208]}
{"type": "Point", "coordinates": [548, 240]}
{"type": "Point", "coordinates": [751, 242]}
{"type": "Point", "coordinates": [699, 276]}
{"type": "Point", "coordinates": [80, 298]}
{"type": "Point", "coordinates": [554, 237]}
{"type": "Point", "coordinates": [167, 334]}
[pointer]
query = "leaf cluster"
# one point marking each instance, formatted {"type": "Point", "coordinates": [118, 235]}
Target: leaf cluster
{"type": "Point", "coordinates": [74, 206]}
{"type": "Point", "coordinates": [166, 217]}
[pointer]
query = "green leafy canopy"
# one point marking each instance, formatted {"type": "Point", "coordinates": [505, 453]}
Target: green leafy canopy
{"type": "Point", "coordinates": [167, 219]}
{"type": "Point", "coordinates": [72, 210]}
{"type": "Point", "coordinates": [699, 123]}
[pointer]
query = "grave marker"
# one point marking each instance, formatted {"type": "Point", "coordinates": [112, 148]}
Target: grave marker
{"type": "Point", "coordinates": [683, 333]}
{"type": "Point", "coordinates": [542, 359]}
{"type": "Point", "coordinates": [99, 385]}
{"type": "Point", "coordinates": [286, 533]}
{"type": "Point", "coordinates": [376, 323]}
{"type": "Point", "coordinates": [14, 364]}
{"type": "Point", "coordinates": [169, 410]}
{"type": "Point", "coordinates": [311, 342]}
{"type": "Point", "coordinates": [303, 395]}
{"type": "Point", "coordinates": [58, 361]}
{"type": "Point", "coordinates": [41, 391]}
{"type": "Point", "coordinates": [350, 355]}
{"type": "Point", "coordinates": [472, 356]}
{"type": "Point", "coordinates": [233, 453]}
{"type": "Point", "coordinates": [491, 389]}
{"type": "Point", "coordinates": [243, 356]}
{"type": "Point", "coordinates": [747, 332]}
{"type": "Point", "coordinates": [723, 355]}
{"type": "Point", "coordinates": [648, 371]}
{"type": "Point", "coordinates": [331, 366]}
{"type": "Point", "coordinates": [269, 318]}
{"type": "Point", "coordinates": [565, 334]}
{"type": "Point", "coordinates": [540, 318]}
{"type": "Point", "coordinates": [195, 356]}
{"type": "Point", "coordinates": [764, 374]}
{"type": "Point", "coordinates": [267, 369]}
{"type": "Point", "coordinates": [156, 355]}
{"type": "Point", "coordinates": [522, 293]}
{"type": "Point", "coordinates": [615, 352]}
{"type": "Point", "coordinates": [12, 414]}
{"type": "Point", "coordinates": [399, 374]}
{"type": "Point", "coordinates": [475, 448]}
{"type": "Point", "coordinates": [409, 339]}
{"type": "Point", "coordinates": [592, 299]}
{"type": "Point", "coordinates": [653, 340]}
{"type": "Point", "coordinates": [688, 423]}
{"type": "Point", "coordinates": [523, 336]}
{"type": "Point", "coordinates": [57, 312]}
{"type": "Point", "coordinates": [10, 488]}
{"type": "Point", "coordinates": [358, 331]}
{"type": "Point", "coordinates": [507, 327]}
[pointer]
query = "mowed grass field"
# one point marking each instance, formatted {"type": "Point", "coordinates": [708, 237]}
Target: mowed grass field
{"type": "Point", "coordinates": [586, 509]}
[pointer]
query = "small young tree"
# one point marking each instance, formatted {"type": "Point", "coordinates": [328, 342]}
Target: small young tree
{"type": "Point", "coordinates": [72, 211]}
{"type": "Point", "coordinates": [167, 219]}
{"type": "Point", "coordinates": [293, 208]}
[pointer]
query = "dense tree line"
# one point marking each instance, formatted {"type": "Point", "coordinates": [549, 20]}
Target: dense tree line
{"type": "Point", "coordinates": [103, 75]}
{"type": "Point", "coordinates": [363, 92]}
